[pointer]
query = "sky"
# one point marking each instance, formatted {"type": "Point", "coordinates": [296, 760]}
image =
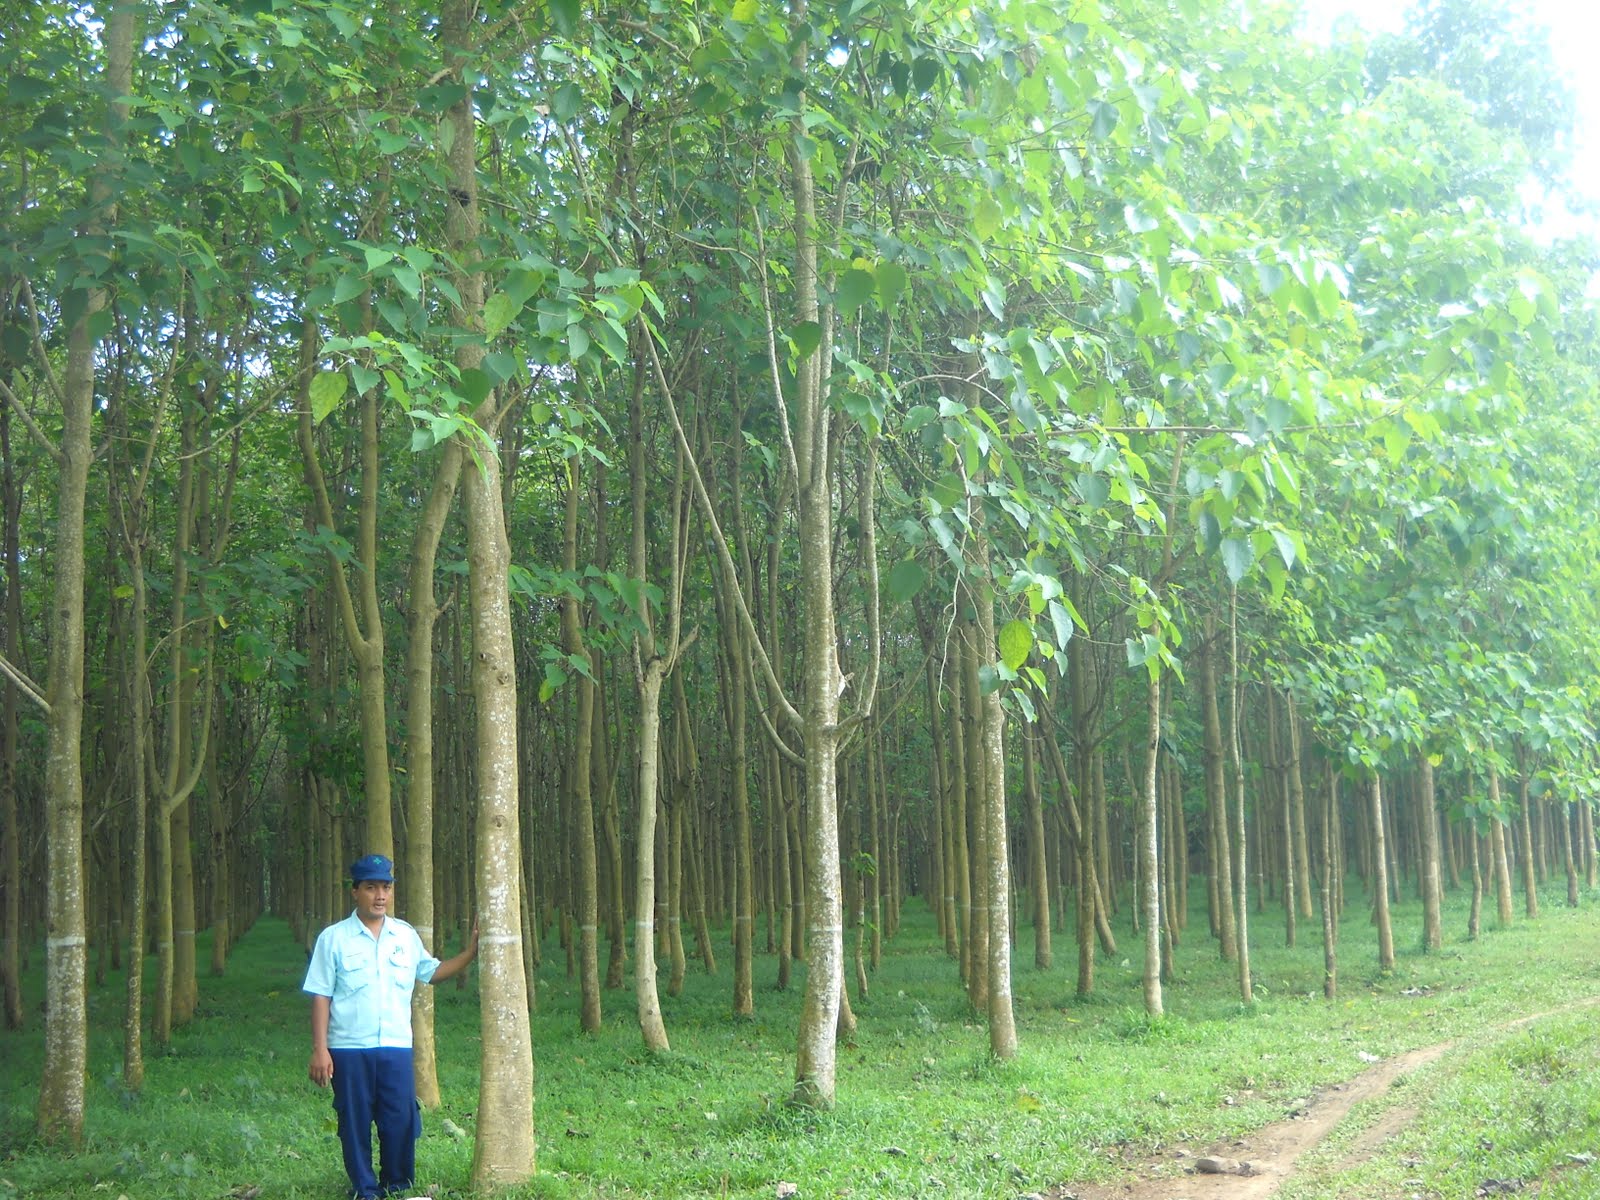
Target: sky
{"type": "Point", "coordinates": [1575, 39]}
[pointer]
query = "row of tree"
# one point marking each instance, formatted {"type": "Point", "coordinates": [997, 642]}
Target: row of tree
{"type": "Point", "coordinates": [902, 449]}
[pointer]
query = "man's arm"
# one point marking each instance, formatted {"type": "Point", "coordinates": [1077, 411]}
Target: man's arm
{"type": "Point", "coordinates": [458, 963]}
{"type": "Point", "coordinates": [321, 1069]}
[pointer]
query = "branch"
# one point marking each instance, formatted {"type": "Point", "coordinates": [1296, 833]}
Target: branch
{"type": "Point", "coordinates": [703, 498]}
{"type": "Point", "coordinates": [26, 686]}
{"type": "Point", "coordinates": [39, 435]}
{"type": "Point", "coordinates": [38, 343]}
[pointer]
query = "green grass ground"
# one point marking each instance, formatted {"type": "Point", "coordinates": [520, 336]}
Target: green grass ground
{"type": "Point", "coordinates": [922, 1108]}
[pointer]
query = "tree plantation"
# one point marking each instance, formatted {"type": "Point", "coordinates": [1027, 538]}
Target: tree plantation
{"type": "Point", "coordinates": [704, 485]}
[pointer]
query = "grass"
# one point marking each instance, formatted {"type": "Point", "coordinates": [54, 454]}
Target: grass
{"type": "Point", "coordinates": [922, 1107]}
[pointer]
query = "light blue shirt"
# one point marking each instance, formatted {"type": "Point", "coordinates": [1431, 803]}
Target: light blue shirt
{"type": "Point", "coordinates": [370, 979]}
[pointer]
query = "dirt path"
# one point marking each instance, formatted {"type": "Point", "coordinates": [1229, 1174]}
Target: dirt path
{"type": "Point", "coordinates": [1273, 1151]}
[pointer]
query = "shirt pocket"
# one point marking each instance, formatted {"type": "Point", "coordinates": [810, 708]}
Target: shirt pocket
{"type": "Point", "coordinates": [402, 969]}
{"type": "Point", "coordinates": [358, 967]}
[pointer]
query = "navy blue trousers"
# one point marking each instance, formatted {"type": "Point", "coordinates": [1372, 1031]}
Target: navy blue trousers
{"type": "Point", "coordinates": [376, 1087]}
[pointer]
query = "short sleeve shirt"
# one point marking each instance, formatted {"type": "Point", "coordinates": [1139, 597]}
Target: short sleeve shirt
{"type": "Point", "coordinates": [369, 979]}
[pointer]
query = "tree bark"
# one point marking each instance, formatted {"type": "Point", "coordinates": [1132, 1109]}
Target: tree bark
{"type": "Point", "coordinates": [10, 833]}
{"type": "Point", "coordinates": [1039, 883]}
{"type": "Point", "coordinates": [503, 1153]}
{"type": "Point", "coordinates": [581, 760]}
{"type": "Point", "coordinates": [1380, 879]}
{"type": "Point", "coordinates": [1150, 850]}
{"type": "Point", "coordinates": [1219, 848]}
{"type": "Point", "coordinates": [417, 869]}
{"type": "Point", "coordinates": [1428, 823]}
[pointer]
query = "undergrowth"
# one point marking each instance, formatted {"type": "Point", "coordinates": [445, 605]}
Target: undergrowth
{"type": "Point", "coordinates": [922, 1107]}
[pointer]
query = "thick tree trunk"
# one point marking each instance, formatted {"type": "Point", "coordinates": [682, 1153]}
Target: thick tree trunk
{"type": "Point", "coordinates": [1566, 855]}
{"type": "Point", "coordinates": [416, 871]}
{"type": "Point", "coordinates": [1380, 879]}
{"type": "Point", "coordinates": [1499, 862]}
{"type": "Point", "coordinates": [1428, 823]}
{"type": "Point", "coordinates": [1219, 847]}
{"type": "Point", "coordinates": [1039, 882]}
{"type": "Point", "coordinates": [581, 760]}
{"type": "Point", "coordinates": [1150, 851]}
{"type": "Point", "coordinates": [1475, 915]}
{"type": "Point", "coordinates": [10, 834]}
{"type": "Point", "coordinates": [646, 996]}
{"type": "Point", "coordinates": [61, 1089]}
{"type": "Point", "coordinates": [1530, 890]}
{"type": "Point", "coordinates": [1241, 877]}
{"type": "Point", "coordinates": [977, 766]}
{"type": "Point", "coordinates": [1002, 1020]}
{"type": "Point", "coordinates": [503, 1152]}
{"type": "Point", "coordinates": [958, 777]}
{"type": "Point", "coordinates": [1330, 870]}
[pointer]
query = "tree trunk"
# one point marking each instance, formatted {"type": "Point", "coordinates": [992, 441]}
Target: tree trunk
{"type": "Point", "coordinates": [1530, 891]}
{"type": "Point", "coordinates": [1380, 879]}
{"type": "Point", "coordinates": [1330, 919]}
{"type": "Point", "coordinates": [1566, 855]}
{"type": "Point", "coordinates": [1039, 883]}
{"type": "Point", "coordinates": [1219, 849]}
{"type": "Point", "coordinates": [581, 760]}
{"type": "Point", "coordinates": [503, 1153]}
{"type": "Point", "coordinates": [1428, 823]}
{"type": "Point", "coordinates": [1241, 878]}
{"type": "Point", "coordinates": [61, 1089]}
{"type": "Point", "coordinates": [1002, 1020]}
{"type": "Point", "coordinates": [1149, 850]}
{"type": "Point", "coordinates": [1499, 862]}
{"type": "Point", "coordinates": [417, 870]}
{"type": "Point", "coordinates": [10, 834]}
{"type": "Point", "coordinates": [646, 996]}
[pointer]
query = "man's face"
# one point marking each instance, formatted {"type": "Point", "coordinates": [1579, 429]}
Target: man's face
{"type": "Point", "coordinates": [372, 899]}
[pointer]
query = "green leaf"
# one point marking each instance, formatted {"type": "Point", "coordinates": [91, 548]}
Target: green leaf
{"type": "Point", "coordinates": [892, 280]}
{"type": "Point", "coordinates": [578, 342]}
{"type": "Point", "coordinates": [567, 14]}
{"type": "Point", "coordinates": [1095, 490]}
{"type": "Point", "coordinates": [986, 217]}
{"type": "Point", "coordinates": [350, 286]}
{"type": "Point", "coordinates": [1016, 640]}
{"type": "Point", "coordinates": [499, 310]}
{"type": "Point", "coordinates": [1238, 556]}
{"type": "Point", "coordinates": [98, 323]}
{"type": "Point", "coordinates": [475, 385]}
{"type": "Point", "coordinates": [1061, 621]}
{"type": "Point", "coordinates": [855, 289]}
{"type": "Point", "coordinates": [365, 378]}
{"type": "Point", "coordinates": [744, 11]}
{"type": "Point", "coordinates": [1286, 547]}
{"type": "Point", "coordinates": [906, 580]}
{"type": "Point", "coordinates": [1138, 220]}
{"type": "Point", "coordinates": [327, 389]}
{"type": "Point", "coordinates": [806, 336]}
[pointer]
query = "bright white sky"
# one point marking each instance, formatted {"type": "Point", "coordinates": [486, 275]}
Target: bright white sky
{"type": "Point", "coordinates": [1575, 38]}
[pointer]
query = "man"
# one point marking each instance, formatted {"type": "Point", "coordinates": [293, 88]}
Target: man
{"type": "Point", "coordinates": [361, 976]}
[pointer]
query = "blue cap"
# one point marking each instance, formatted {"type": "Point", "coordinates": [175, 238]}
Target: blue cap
{"type": "Point", "coordinates": [372, 866]}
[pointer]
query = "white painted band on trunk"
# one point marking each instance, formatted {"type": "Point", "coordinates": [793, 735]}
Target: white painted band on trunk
{"type": "Point", "coordinates": [65, 943]}
{"type": "Point", "coordinates": [826, 928]}
{"type": "Point", "coordinates": [424, 929]}
{"type": "Point", "coordinates": [183, 932]}
{"type": "Point", "coordinates": [587, 928]}
{"type": "Point", "coordinates": [499, 939]}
